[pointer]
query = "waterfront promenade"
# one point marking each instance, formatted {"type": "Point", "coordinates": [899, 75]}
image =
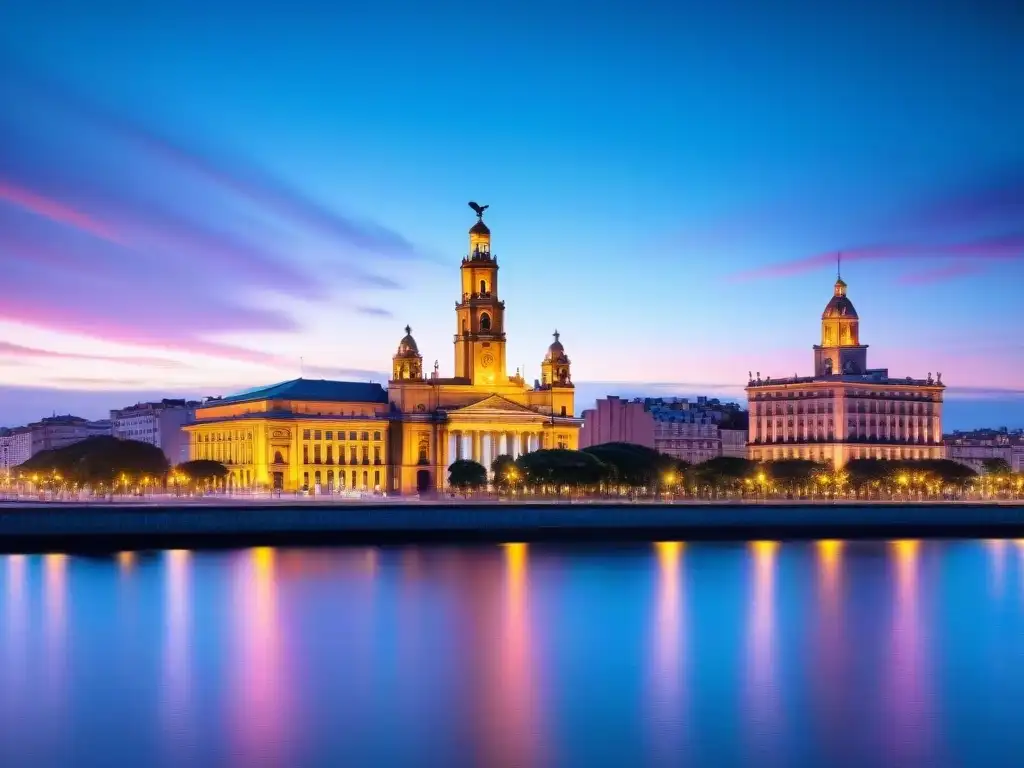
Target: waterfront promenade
{"type": "Point", "coordinates": [27, 526]}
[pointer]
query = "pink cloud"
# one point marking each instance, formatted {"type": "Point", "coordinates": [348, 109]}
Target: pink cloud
{"type": "Point", "coordinates": [7, 349]}
{"type": "Point", "coordinates": [55, 211]}
{"type": "Point", "coordinates": [940, 274]}
{"type": "Point", "coordinates": [991, 249]}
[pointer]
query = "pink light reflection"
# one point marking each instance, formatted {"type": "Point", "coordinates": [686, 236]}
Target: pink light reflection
{"type": "Point", "coordinates": [830, 634]}
{"type": "Point", "coordinates": [55, 624]}
{"type": "Point", "coordinates": [15, 643]}
{"type": "Point", "coordinates": [908, 714]}
{"type": "Point", "coordinates": [175, 694]}
{"type": "Point", "coordinates": [260, 699]}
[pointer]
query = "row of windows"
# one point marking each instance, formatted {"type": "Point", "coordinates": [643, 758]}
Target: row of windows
{"type": "Point", "coordinates": [855, 453]}
{"type": "Point", "coordinates": [316, 434]}
{"type": "Point", "coordinates": [354, 455]}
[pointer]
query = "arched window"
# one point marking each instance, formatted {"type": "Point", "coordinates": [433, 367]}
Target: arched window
{"type": "Point", "coordinates": [483, 287]}
{"type": "Point", "coordinates": [485, 322]}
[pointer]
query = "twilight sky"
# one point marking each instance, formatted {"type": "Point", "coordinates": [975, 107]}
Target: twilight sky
{"type": "Point", "coordinates": [194, 196]}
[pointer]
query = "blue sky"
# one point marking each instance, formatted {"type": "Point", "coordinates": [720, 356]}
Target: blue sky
{"type": "Point", "coordinates": [194, 196]}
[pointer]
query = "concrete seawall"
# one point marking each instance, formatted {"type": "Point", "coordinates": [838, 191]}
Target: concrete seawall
{"type": "Point", "coordinates": [120, 526]}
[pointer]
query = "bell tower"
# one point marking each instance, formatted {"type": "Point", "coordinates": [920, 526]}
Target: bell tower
{"type": "Point", "coordinates": [480, 315]}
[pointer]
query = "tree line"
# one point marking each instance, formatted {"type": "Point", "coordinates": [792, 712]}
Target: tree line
{"type": "Point", "coordinates": [624, 469]}
{"type": "Point", "coordinates": [109, 464]}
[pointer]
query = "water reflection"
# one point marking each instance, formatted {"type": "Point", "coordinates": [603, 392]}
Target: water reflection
{"type": "Point", "coordinates": [997, 556]}
{"type": "Point", "coordinates": [15, 642]}
{"type": "Point", "coordinates": [55, 625]}
{"type": "Point", "coordinates": [762, 696]}
{"type": "Point", "coordinates": [177, 661]}
{"type": "Point", "coordinates": [260, 701]}
{"type": "Point", "coordinates": [908, 700]}
{"type": "Point", "coordinates": [668, 653]}
{"type": "Point", "coordinates": [830, 633]}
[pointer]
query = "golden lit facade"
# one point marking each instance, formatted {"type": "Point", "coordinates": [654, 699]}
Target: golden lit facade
{"type": "Point", "coordinates": [333, 436]}
{"type": "Point", "coordinates": [846, 410]}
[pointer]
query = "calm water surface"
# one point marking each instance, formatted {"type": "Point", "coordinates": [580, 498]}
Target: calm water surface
{"type": "Point", "coordinates": [888, 653]}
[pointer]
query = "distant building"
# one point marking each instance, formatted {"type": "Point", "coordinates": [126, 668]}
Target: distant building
{"type": "Point", "coordinates": [845, 410]}
{"type": "Point", "coordinates": [693, 431]}
{"type": "Point", "coordinates": [55, 432]}
{"type": "Point", "coordinates": [15, 448]}
{"type": "Point", "coordinates": [973, 448]}
{"type": "Point", "coordinates": [158, 424]}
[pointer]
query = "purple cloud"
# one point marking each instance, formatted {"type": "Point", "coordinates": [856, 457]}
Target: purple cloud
{"type": "Point", "coordinates": [374, 312]}
{"type": "Point", "coordinates": [8, 349]}
{"type": "Point", "coordinates": [115, 231]}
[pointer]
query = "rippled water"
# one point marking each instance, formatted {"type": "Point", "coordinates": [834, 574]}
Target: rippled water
{"type": "Point", "coordinates": [900, 653]}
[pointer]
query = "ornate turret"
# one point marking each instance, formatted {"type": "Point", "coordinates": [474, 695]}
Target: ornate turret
{"type": "Point", "coordinates": [480, 315]}
{"type": "Point", "coordinates": [555, 368]}
{"type": "Point", "coordinates": [840, 350]}
{"type": "Point", "coordinates": [407, 362]}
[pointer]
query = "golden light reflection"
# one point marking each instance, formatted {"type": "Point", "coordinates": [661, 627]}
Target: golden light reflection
{"type": "Point", "coordinates": [666, 716]}
{"type": "Point", "coordinates": [126, 560]}
{"type": "Point", "coordinates": [761, 684]}
{"type": "Point", "coordinates": [260, 700]}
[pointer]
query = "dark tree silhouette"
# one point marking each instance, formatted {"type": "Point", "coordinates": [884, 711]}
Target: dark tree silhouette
{"type": "Point", "coordinates": [203, 470]}
{"type": "Point", "coordinates": [467, 475]}
{"type": "Point", "coordinates": [100, 460]}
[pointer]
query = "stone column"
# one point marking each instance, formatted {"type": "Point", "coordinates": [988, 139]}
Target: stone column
{"type": "Point", "coordinates": [477, 447]}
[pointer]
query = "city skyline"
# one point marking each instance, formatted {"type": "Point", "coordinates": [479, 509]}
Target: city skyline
{"type": "Point", "coordinates": [193, 204]}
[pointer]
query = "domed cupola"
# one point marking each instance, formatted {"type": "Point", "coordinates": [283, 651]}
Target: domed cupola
{"type": "Point", "coordinates": [839, 305]}
{"type": "Point", "coordinates": [555, 368]}
{"type": "Point", "coordinates": [407, 362]}
{"type": "Point", "coordinates": [840, 352]}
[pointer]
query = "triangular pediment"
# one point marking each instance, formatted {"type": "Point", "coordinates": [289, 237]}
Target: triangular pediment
{"type": "Point", "coordinates": [493, 403]}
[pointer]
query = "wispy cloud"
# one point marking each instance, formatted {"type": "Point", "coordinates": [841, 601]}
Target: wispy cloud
{"type": "Point", "coordinates": [114, 230]}
{"type": "Point", "coordinates": [7, 349]}
{"type": "Point", "coordinates": [943, 273]}
{"type": "Point", "coordinates": [374, 312]}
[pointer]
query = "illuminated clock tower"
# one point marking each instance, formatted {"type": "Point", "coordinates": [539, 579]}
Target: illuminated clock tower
{"type": "Point", "coordinates": [480, 316]}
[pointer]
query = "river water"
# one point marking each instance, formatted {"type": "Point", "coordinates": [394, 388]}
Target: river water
{"type": "Point", "coordinates": [820, 653]}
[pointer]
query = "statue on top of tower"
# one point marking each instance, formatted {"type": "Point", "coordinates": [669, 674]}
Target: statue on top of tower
{"type": "Point", "coordinates": [479, 209]}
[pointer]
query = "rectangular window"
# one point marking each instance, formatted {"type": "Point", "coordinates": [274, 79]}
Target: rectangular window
{"type": "Point", "coordinates": [316, 435]}
{"type": "Point", "coordinates": [305, 454]}
{"type": "Point", "coordinates": [329, 435]}
{"type": "Point", "coordinates": [330, 454]}
{"type": "Point", "coordinates": [352, 458]}
{"type": "Point", "coordinates": [305, 434]}
{"type": "Point", "coordinates": [376, 478]}
{"type": "Point", "coordinates": [366, 455]}
{"type": "Point", "coordinates": [316, 454]}
{"type": "Point", "coordinates": [351, 435]}
{"type": "Point", "coordinates": [376, 454]}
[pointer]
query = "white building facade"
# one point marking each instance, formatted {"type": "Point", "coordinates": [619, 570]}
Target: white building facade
{"type": "Point", "coordinates": [845, 410]}
{"type": "Point", "coordinates": [158, 424]}
{"type": "Point", "coordinates": [15, 448]}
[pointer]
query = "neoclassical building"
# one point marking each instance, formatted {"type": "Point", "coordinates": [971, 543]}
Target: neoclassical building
{"type": "Point", "coordinates": [330, 436]}
{"type": "Point", "coordinates": [845, 410]}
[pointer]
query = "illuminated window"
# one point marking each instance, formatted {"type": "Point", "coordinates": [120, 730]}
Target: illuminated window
{"type": "Point", "coordinates": [485, 322]}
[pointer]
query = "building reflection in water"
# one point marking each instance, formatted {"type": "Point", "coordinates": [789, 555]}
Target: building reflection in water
{"type": "Point", "coordinates": [14, 674]}
{"type": "Point", "coordinates": [829, 674]}
{"type": "Point", "coordinates": [909, 715]}
{"type": "Point", "coordinates": [55, 576]}
{"type": "Point", "coordinates": [761, 684]}
{"type": "Point", "coordinates": [175, 691]}
{"type": "Point", "coordinates": [668, 656]}
{"type": "Point", "coordinates": [512, 721]}
{"type": "Point", "coordinates": [259, 700]}
{"type": "Point", "coordinates": [997, 575]}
